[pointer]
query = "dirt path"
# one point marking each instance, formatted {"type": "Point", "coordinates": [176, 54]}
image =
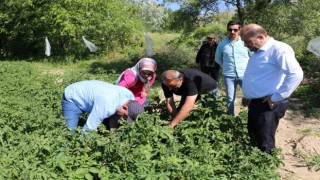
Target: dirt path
{"type": "Point", "coordinates": [298, 135]}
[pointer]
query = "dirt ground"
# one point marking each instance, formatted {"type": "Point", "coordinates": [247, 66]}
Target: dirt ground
{"type": "Point", "coordinates": [297, 136]}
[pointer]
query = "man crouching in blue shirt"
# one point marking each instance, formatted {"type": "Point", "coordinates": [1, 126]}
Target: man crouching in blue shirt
{"type": "Point", "coordinates": [101, 100]}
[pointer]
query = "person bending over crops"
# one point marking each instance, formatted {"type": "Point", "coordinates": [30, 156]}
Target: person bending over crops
{"type": "Point", "coordinates": [101, 100]}
{"type": "Point", "coordinates": [272, 74]}
{"type": "Point", "coordinates": [189, 84]}
{"type": "Point", "coordinates": [139, 79]}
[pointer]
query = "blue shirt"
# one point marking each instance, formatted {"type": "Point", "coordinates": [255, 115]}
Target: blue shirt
{"type": "Point", "coordinates": [98, 98]}
{"type": "Point", "coordinates": [272, 70]}
{"type": "Point", "coordinates": [232, 57]}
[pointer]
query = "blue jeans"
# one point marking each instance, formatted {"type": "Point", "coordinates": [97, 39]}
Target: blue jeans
{"type": "Point", "coordinates": [231, 91]}
{"type": "Point", "coordinates": [215, 92]}
{"type": "Point", "coordinates": [71, 113]}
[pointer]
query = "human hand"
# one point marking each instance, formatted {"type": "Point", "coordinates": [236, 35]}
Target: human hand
{"type": "Point", "coordinates": [144, 94]}
{"type": "Point", "coordinates": [268, 99]}
{"type": "Point", "coordinates": [172, 125]}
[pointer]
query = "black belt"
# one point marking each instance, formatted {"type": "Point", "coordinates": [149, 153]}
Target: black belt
{"type": "Point", "coordinates": [261, 99]}
{"type": "Point", "coordinates": [257, 100]}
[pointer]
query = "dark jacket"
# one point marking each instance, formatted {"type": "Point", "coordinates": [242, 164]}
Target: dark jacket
{"type": "Point", "coordinates": [205, 55]}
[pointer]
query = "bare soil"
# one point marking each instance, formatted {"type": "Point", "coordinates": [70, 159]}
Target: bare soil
{"type": "Point", "coordinates": [298, 136]}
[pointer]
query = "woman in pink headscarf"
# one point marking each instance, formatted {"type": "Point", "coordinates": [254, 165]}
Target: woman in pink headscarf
{"type": "Point", "coordinates": [139, 79]}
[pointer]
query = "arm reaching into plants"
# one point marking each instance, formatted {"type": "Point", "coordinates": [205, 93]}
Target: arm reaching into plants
{"type": "Point", "coordinates": [184, 111]}
{"type": "Point", "coordinates": [171, 107]}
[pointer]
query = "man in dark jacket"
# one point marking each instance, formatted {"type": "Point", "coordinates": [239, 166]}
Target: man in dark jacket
{"type": "Point", "coordinates": [206, 58]}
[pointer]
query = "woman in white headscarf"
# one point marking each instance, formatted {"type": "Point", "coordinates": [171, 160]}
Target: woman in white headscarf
{"type": "Point", "coordinates": [139, 79]}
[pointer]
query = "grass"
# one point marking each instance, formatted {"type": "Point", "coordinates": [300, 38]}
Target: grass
{"type": "Point", "coordinates": [309, 131]}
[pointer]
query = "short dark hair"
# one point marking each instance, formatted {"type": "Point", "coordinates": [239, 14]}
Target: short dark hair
{"type": "Point", "coordinates": [234, 22]}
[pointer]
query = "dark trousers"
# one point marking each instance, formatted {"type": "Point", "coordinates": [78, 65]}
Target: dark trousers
{"type": "Point", "coordinates": [263, 122]}
{"type": "Point", "coordinates": [212, 71]}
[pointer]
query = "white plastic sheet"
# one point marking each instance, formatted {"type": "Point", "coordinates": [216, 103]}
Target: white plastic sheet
{"type": "Point", "coordinates": [48, 47]}
{"type": "Point", "coordinates": [314, 46]}
{"type": "Point", "coordinates": [90, 45]}
{"type": "Point", "coordinates": [149, 43]}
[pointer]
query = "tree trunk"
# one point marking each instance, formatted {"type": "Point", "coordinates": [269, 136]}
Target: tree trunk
{"type": "Point", "coordinates": [240, 12]}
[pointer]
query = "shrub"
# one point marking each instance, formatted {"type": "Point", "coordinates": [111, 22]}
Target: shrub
{"type": "Point", "coordinates": [108, 24]}
{"type": "Point", "coordinates": [172, 58]}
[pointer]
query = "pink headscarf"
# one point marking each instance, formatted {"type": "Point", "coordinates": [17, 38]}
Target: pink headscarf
{"type": "Point", "coordinates": [144, 64]}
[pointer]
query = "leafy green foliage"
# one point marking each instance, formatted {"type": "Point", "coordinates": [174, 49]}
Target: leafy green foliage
{"type": "Point", "coordinates": [24, 25]}
{"type": "Point", "coordinates": [284, 20]}
{"type": "Point", "coordinates": [35, 144]}
{"type": "Point", "coordinates": [309, 90]}
{"type": "Point", "coordinates": [171, 57]}
{"type": "Point", "coordinates": [191, 14]}
{"type": "Point", "coordinates": [153, 15]}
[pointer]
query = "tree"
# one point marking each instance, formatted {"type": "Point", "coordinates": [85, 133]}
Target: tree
{"type": "Point", "coordinates": [153, 15]}
{"type": "Point", "coordinates": [25, 24]}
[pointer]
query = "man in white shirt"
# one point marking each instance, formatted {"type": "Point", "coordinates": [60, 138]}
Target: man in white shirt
{"type": "Point", "coordinates": [272, 74]}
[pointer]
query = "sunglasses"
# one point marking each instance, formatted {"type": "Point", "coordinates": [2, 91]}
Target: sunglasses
{"type": "Point", "coordinates": [146, 73]}
{"type": "Point", "coordinates": [235, 30]}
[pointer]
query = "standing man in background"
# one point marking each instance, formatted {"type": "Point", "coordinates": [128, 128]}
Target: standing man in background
{"type": "Point", "coordinates": [233, 56]}
{"type": "Point", "coordinates": [272, 74]}
{"type": "Point", "coordinates": [206, 59]}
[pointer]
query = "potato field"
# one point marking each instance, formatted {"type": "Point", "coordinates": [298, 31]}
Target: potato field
{"type": "Point", "coordinates": [35, 143]}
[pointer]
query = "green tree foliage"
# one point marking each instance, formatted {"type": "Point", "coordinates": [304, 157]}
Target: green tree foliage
{"type": "Point", "coordinates": [171, 57]}
{"type": "Point", "coordinates": [192, 14]}
{"type": "Point", "coordinates": [195, 13]}
{"type": "Point", "coordinates": [25, 24]}
{"type": "Point", "coordinates": [284, 19]}
{"type": "Point", "coordinates": [153, 15]}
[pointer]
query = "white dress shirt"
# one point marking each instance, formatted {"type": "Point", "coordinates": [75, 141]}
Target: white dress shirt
{"type": "Point", "coordinates": [272, 70]}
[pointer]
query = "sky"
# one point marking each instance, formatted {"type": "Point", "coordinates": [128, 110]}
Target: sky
{"type": "Point", "coordinates": [172, 6]}
{"type": "Point", "coordinates": [175, 6]}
